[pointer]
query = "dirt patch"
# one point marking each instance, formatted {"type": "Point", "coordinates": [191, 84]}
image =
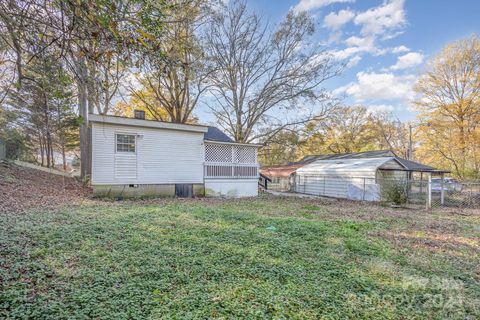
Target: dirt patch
{"type": "Point", "coordinates": [22, 189]}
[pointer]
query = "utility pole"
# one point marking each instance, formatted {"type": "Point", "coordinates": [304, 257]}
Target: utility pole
{"type": "Point", "coordinates": [410, 143]}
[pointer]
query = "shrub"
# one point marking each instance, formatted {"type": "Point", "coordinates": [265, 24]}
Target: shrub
{"type": "Point", "coordinates": [393, 192]}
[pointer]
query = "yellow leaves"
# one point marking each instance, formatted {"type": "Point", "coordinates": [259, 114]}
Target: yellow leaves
{"type": "Point", "coordinates": [450, 104]}
{"type": "Point", "coordinates": [143, 42]}
{"type": "Point", "coordinates": [146, 34]}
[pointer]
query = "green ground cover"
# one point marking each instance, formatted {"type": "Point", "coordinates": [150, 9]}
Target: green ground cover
{"type": "Point", "coordinates": [270, 258]}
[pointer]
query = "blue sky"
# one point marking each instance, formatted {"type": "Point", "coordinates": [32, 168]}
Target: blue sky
{"type": "Point", "coordinates": [386, 43]}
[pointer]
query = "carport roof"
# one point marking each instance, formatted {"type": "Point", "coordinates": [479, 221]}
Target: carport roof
{"type": "Point", "coordinates": [407, 165]}
{"type": "Point", "coordinates": [345, 166]}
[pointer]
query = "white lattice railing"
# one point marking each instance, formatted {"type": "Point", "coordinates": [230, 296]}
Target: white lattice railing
{"type": "Point", "coordinates": [226, 161]}
{"type": "Point", "coordinates": [226, 153]}
{"type": "Point", "coordinates": [231, 171]}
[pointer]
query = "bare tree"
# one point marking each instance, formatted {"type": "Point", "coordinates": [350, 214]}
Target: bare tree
{"type": "Point", "coordinates": [388, 132]}
{"type": "Point", "coordinates": [265, 81]}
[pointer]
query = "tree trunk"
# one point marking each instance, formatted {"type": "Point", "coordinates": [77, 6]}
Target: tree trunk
{"type": "Point", "coordinates": [64, 158]}
{"type": "Point", "coordinates": [52, 155]}
{"type": "Point", "coordinates": [40, 141]}
{"type": "Point", "coordinates": [84, 141]}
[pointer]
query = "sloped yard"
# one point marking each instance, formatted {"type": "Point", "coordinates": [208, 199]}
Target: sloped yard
{"type": "Point", "coordinates": [257, 258]}
{"type": "Point", "coordinates": [22, 189]}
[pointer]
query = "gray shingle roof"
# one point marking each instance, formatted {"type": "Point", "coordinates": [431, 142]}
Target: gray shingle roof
{"type": "Point", "coordinates": [215, 134]}
{"type": "Point", "coordinates": [414, 166]}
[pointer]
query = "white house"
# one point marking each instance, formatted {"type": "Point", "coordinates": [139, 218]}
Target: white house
{"type": "Point", "coordinates": [138, 157]}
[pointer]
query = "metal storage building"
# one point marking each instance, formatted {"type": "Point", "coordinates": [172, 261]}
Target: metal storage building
{"type": "Point", "coordinates": [350, 175]}
{"type": "Point", "coordinates": [347, 178]}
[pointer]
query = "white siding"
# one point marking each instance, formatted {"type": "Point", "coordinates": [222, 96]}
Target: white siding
{"type": "Point", "coordinates": [231, 188]}
{"type": "Point", "coordinates": [163, 156]}
{"type": "Point", "coordinates": [125, 166]}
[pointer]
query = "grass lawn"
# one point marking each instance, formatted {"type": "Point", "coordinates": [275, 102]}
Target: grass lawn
{"type": "Point", "coordinates": [264, 258]}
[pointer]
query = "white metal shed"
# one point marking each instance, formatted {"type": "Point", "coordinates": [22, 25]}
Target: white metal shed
{"type": "Point", "coordinates": [346, 178]}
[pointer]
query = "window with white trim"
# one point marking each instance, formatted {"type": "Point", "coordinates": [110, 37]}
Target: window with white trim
{"type": "Point", "coordinates": [125, 143]}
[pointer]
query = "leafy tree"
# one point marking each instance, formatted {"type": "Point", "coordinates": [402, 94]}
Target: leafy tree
{"type": "Point", "coordinates": [449, 109]}
{"type": "Point", "coordinates": [94, 38]}
{"type": "Point", "coordinates": [284, 147]}
{"type": "Point", "coordinates": [44, 104]}
{"type": "Point", "coordinates": [17, 143]}
{"type": "Point", "coordinates": [173, 82]}
{"type": "Point", "coordinates": [347, 129]}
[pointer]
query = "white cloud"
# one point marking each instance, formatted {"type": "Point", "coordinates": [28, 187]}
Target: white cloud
{"type": "Point", "coordinates": [377, 24]}
{"type": "Point", "coordinates": [400, 49]}
{"type": "Point", "coordinates": [379, 86]}
{"type": "Point", "coordinates": [374, 108]}
{"type": "Point", "coordinates": [360, 42]}
{"type": "Point", "coordinates": [408, 60]}
{"type": "Point", "coordinates": [353, 61]}
{"type": "Point", "coordinates": [357, 45]}
{"type": "Point", "coordinates": [379, 20]}
{"type": "Point", "coordinates": [335, 21]}
{"type": "Point", "coordinates": [305, 5]}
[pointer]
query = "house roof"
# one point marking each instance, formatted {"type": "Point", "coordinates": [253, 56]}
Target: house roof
{"type": "Point", "coordinates": [211, 134]}
{"type": "Point", "coordinates": [215, 134]}
{"type": "Point", "coordinates": [146, 123]}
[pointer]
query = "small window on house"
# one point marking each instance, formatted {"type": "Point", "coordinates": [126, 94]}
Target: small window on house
{"type": "Point", "coordinates": [125, 143]}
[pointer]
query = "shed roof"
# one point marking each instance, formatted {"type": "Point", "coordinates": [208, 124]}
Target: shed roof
{"type": "Point", "coordinates": [351, 155]}
{"type": "Point", "coordinates": [280, 171]}
{"type": "Point", "coordinates": [345, 166]}
{"type": "Point", "coordinates": [414, 166]}
{"type": "Point", "coordinates": [405, 165]}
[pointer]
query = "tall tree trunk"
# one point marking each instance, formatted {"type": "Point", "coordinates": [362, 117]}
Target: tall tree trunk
{"type": "Point", "coordinates": [42, 153]}
{"type": "Point", "coordinates": [82, 80]}
{"type": "Point", "coordinates": [52, 165]}
{"type": "Point", "coordinates": [47, 151]}
{"type": "Point", "coordinates": [84, 141]}
{"type": "Point", "coordinates": [48, 134]}
{"type": "Point", "coordinates": [64, 158]}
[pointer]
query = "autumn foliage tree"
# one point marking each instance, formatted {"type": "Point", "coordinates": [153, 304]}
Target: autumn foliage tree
{"type": "Point", "coordinates": [449, 109]}
{"type": "Point", "coordinates": [171, 83]}
{"type": "Point", "coordinates": [347, 129]}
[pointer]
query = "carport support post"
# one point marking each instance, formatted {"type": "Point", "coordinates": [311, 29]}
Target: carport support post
{"type": "Point", "coordinates": [421, 182]}
{"type": "Point", "coordinates": [442, 192]}
{"type": "Point", "coordinates": [429, 192]}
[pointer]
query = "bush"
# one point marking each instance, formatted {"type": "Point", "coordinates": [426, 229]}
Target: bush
{"type": "Point", "coordinates": [393, 192]}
